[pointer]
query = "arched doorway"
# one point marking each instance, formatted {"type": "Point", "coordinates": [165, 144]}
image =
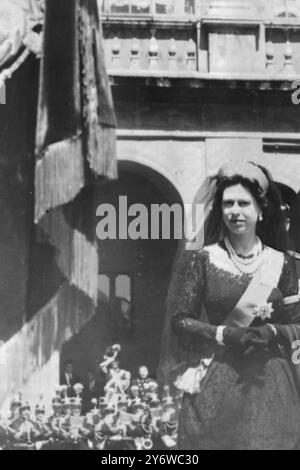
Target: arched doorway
{"type": "Point", "coordinates": [133, 280]}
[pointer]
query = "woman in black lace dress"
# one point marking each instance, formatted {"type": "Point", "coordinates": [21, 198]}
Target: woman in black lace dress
{"type": "Point", "coordinates": [234, 314]}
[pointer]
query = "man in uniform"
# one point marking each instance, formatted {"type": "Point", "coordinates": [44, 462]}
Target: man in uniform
{"type": "Point", "coordinates": [143, 381]}
{"type": "Point", "coordinates": [25, 430]}
{"type": "Point", "coordinates": [42, 427]}
{"type": "Point", "coordinates": [92, 390]}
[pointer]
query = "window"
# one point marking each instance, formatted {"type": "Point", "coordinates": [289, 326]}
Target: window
{"type": "Point", "coordinates": [104, 287]}
{"type": "Point", "coordinates": [119, 6]}
{"type": "Point", "coordinates": [117, 289]}
{"type": "Point", "coordinates": [140, 7]}
{"type": "Point", "coordinates": [149, 7]}
{"type": "Point", "coordinates": [123, 287]}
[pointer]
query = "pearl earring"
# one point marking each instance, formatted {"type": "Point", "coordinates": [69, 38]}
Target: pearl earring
{"type": "Point", "coordinates": [260, 217]}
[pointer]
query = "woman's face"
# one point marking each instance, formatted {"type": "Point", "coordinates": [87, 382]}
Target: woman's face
{"type": "Point", "coordinates": [240, 210]}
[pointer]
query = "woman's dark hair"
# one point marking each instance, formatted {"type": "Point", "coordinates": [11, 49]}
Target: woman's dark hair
{"type": "Point", "coordinates": [271, 229]}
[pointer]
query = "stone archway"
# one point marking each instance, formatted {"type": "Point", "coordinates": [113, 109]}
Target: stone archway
{"type": "Point", "coordinates": [133, 280]}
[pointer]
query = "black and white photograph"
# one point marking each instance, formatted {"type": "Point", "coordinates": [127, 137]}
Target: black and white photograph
{"type": "Point", "coordinates": [150, 227]}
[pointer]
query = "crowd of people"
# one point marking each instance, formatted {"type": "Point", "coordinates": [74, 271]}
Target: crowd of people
{"type": "Point", "coordinates": [132, 413]}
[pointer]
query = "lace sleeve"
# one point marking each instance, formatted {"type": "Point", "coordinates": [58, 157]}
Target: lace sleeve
{"type": "Point", "coordinates": [188, 292]}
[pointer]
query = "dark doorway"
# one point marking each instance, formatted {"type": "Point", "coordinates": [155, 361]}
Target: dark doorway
{"type": "Point", "coordinates": [133, 282]}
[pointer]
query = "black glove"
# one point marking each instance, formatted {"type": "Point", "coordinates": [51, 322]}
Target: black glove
{"type": "Point", "coordinates": [257, 338]}
{"type": "Point", "coordinates": [234, 336]}
{"type": "Point", "coordinates": [191, 330]}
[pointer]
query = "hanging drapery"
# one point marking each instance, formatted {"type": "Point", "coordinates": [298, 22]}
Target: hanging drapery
{"type": "Point", "coordinates": [59, 173]}
{"type": "Point", "coordinates": [75, 138]}
{"type": "Point", "coordinates": [76, 122]}
{"type": "Point", "coordinates": [98, 118]}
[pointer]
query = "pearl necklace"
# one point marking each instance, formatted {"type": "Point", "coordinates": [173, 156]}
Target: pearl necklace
{"type": "Point", "coordinates": [243, 260]}
{"type": "Point", "coordinates": [246, 266]}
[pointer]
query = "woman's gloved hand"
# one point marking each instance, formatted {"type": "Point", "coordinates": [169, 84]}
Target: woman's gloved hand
{"type": "Point", "coordinates": [258, 337]}
{"type": "Point", "coordinates": [234, 336]}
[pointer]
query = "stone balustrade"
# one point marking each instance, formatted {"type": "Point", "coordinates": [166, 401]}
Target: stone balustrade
{"type": "Point", "coordinates": [241, 9]}
{"type": "Point", "coordinates": [212, 45]}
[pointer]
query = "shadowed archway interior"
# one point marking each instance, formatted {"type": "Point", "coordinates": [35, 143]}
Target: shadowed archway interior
{"type": "Point", "coordinates": [133, 280]}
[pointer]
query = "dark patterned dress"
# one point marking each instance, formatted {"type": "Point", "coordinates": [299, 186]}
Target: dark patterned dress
{"type": "Point", "coordinates": [245, 402]}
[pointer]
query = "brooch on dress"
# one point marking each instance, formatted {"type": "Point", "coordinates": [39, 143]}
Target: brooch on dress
{"type": "Point", "coordinates": [263, 311]}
